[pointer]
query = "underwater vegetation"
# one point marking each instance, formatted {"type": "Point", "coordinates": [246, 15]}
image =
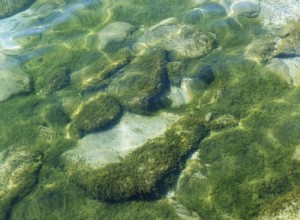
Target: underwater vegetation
{"type": "Point", "coordinates": [95, 114]}
{"type": "Point", "coordinates": [211, 93]}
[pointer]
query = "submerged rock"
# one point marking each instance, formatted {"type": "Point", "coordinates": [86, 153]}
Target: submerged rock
{"type": "Point", "coordinates": [114, 32]}
{"type": "Point", "coordinates": [214, 10]}
{"type": "Point", "coordinates": [182, 40]}
{"type": "Point", "coordinates": [18, 174]}
{"type": "Point", "coordinates": [247, 8]}
{"type": "Point", "coordinates": [287, 68]}
{"type": "Point", "coordinates": [110, 146]}
{"type": "Point", "coordinates": [197, 15]}
{"type": "Point", "coordinates": [177, 96]}
{"type": "Point", "coordinates": [94, 114]}
{"type": "Point", "coordinates": [289, 46]}
{"type": "Point", "coordinates": [55, 80]}
{"type": "Point", "coordinates": [11, 7]}
{"type": "Point", "coordinates": [142, 82]}
{"type": "Point", "coordinates": [148, 171]}
{"type": "Point", "coordinates": [13, 80]}
{"type": "Point", "coordinates": [194, 15]}
{"type": "Point", "coordinates": [260, 50]}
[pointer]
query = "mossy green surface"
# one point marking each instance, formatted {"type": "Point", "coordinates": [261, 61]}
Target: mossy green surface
{"type": "Point", "coordinates": [142, 82]}
{"type": "Point", "coordinates": [244, 122]}
{"type": "Point", "coordinates": [95, 114]}
{"type": "Point", "coordinates": [148, 172]}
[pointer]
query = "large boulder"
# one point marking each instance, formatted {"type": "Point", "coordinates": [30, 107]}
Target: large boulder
{"type": "Point", "coordinates": [181, 40]}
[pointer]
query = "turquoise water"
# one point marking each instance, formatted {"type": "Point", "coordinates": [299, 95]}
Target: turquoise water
{"type": "Point", "coordinates": [158, 109]}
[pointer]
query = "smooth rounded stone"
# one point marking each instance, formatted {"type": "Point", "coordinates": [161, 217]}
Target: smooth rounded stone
{"type": "Point", "coordinates": [214, 10]}
{"type": "Point", "coordinates": [183, 40]}
{"type": "Point", "coordinates": [94, 114]}
{"type": "Point", "coordinates": [98, 149]}
{"type": "Point", "coordinates": [114, 32]}
{"type": "Point", "coordinates": [225, 25]}
{"type": "Point", "coordinates": [11, 7]}
{"type": "Point", "coordinates": [247, 8]}
{"type": "Point", "coordinates": [18, 174]}
{"type": "Point", "coordinates": [13, 80]}
{"type": "Point", "coordinates": [194, 15]}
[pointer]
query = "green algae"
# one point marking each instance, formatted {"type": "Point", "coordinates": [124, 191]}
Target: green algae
{"type": "Point", "coordinates": [19, 177]}
{"type": "Point", "coordinates": [245, 167]}
{"type": "Point", "coordinates": [245, 146]}
{"type": "Point", "coordinates": [147, 172]}
{"type": "Point", "coordinates": [142, 82]}
{"type": "Point", "coordinates": [95, 114]}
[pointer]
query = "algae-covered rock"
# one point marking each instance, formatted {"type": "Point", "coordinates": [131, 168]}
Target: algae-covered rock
{"type": "Point", "coordinates": [148, 171]}
{"type": "Point", "coordinates": [289, 46]}
{"type": "Point", "coordinates": [224, 121]}
{"type": "Point", "coordinates": [94, 114]}
{"type": "Point", "coordinates": [11, 7]}
{"type": "Point", "coordinates": [142, 82]}
{"type": "Point", "coordinates": [111, 146]}
{"type": "Point", "coordinates": [194, 16]}
{"type": "Point", "coordinates": [183, 40]}
{"type": "Point", "coordinates": [55, 80]}
{"type": "Point", "coordinates": [214, 10]}
{"type": "Point", "coordinates": [18, 174]}
{"type": "Point", "coordinates": [260, 50]}
{"type": "Point", "coordinates": [55, 115]}
{"type": "Point", "coordinates": [287, 207]}
{"type": "Point", "coordinates": [13, 80]}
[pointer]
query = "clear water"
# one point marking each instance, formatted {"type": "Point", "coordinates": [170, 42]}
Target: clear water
{"type": "Point", "coordinates": [161, 109]}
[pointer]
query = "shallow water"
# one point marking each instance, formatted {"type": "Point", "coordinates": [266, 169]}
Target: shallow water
{"type": "Point", "coordinates": [161, 109]}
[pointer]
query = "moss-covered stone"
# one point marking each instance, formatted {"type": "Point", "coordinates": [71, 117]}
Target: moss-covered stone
{"type": "Point", "coordinates": [56, 80]}
{"type": "Point", "coordinates": [95, 114]}
{"type": "Point", "coordinates": [18, 175]}
{"type": "Point", "coordinates": [142, 82]}
{"type": "Point", "coordinates": [54, 115]}
{"type": "Point", "coordinates": [149, 171]}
